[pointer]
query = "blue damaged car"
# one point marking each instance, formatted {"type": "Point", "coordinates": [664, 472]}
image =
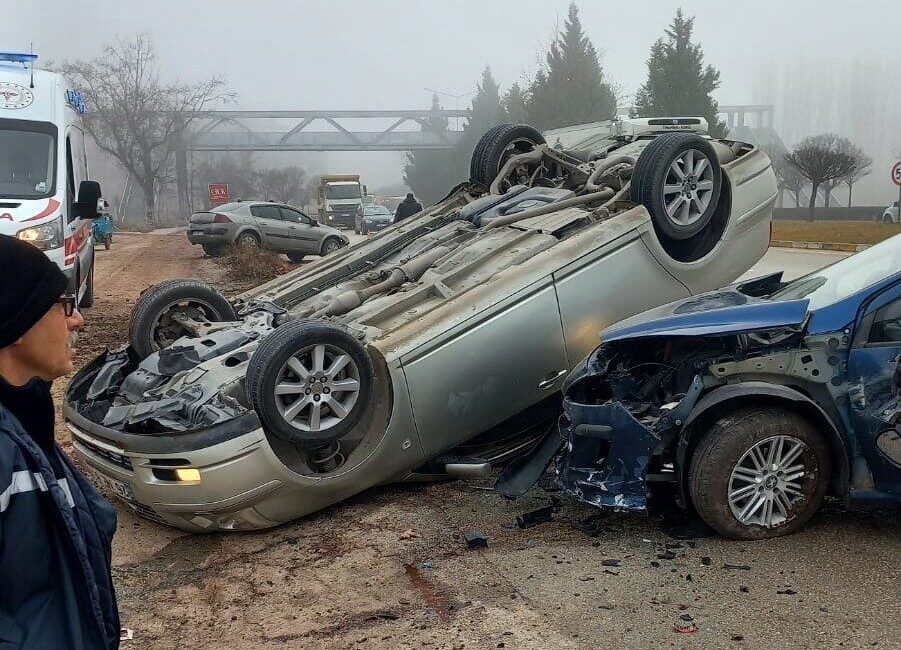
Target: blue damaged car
{"type": "Point", "coordinates": [752, 402]}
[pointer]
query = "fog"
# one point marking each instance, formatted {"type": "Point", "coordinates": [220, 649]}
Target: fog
{"type": "Point", "coordinates": [827, 66]}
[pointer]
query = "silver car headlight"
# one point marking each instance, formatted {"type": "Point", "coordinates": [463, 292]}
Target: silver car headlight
{"type": "Point", "coordinates": [46, 236]}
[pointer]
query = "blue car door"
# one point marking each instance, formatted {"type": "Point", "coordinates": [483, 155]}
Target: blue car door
{"type": "Point", "coordinates": [874, 372]}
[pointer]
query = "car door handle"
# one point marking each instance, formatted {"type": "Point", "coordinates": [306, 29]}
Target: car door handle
{"type": "Point", "coordinates": [551, 380]}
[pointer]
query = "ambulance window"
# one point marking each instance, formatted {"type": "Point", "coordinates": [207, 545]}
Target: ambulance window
{"type": "Point", "coordinates": [79, 159]}
{"type": "Point", "coordinates": [70, 181]}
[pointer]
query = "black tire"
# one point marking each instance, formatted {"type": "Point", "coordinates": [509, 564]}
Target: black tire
{"type": "Point", "coordinates": [212, 250]}
{"type": "Point", "coordinates": [727, 442]}
{"type": "Point", "coordinates": [268, 367]}
{"type": "Point", "coordinates": [151, 327]}
{"type": "Point", "coordinates": [330, 245]}
{"type": "Point", "coordinates": [478, 151]}
{"type": "Point", "coordinates": [87, 299]}
{"type": "Point", "coordinates": [356, 228]}
{"type": "Point", "coordinates": [364, 230]}
{"type": "Point", "coordinates": [650, 176]}
{"type": "Point", "coordinates": [295, 257]}
{"type": "Point", "coordinates": [248, 239]}
{"type": "Point", "coordinates": [496, 146]}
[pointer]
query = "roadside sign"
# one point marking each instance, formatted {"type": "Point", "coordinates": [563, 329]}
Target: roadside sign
{"type": "Point", "coordinates": [218, 194]}
{"type": "Point", "coordinates": [896, 173]}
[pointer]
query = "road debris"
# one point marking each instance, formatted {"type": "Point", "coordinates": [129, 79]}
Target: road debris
{"type": "Point", "coordinates": [610, 562]}
{"type": "Point", "coordinates": [408, 535]}
{"type": "Point", "coordinates": [475, 539]}
{"type": "Point", "coordinates": [685, 628]}
{"type": "Point", "coordinates": [535, 517]}
{"type": "Point", "coordinates": [737, 567]}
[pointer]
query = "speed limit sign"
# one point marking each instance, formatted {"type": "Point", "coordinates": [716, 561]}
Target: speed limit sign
{"type": "Point", "coordinates": [896, 173]}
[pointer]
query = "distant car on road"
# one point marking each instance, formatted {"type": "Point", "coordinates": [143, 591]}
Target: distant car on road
{"type": "Point", "coordinates": [751, 402]}
{"type": "Point", "coordinates": [262, 224]}
{"type": "Point", "coordinates": [891, 214]}
{"type": "Point", "coordinates": [374, 217]}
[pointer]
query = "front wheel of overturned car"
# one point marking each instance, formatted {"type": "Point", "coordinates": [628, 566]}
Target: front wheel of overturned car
{"type": "Point", "coordinates": [679, 180]}
{"type": "Point", "coordinates": [497, 146]}
{"type": "Point", "coordinates": [310, 382]}
{"type": "Point", "coordinates": [759, 473]}
{"type": "Point", "coordinates": [158, 318]}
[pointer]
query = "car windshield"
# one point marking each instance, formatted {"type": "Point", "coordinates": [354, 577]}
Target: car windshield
{"type": "Point", "coordinates": [842, 279]}
{"type": "Point", "coordinates": [370, 210]}
{"type": "Point", "coordinates": [27, 159]}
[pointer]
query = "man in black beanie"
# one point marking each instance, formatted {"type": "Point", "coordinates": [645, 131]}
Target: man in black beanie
{"type": "Point", "coordinates": [55, 528]}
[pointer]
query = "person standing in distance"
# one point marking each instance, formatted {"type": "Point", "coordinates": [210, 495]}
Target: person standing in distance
{"type": "Point", "coordinates": [407, 208]}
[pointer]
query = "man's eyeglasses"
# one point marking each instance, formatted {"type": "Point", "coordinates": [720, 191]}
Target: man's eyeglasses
{"type": "Point", "coordinates": [69, 303]}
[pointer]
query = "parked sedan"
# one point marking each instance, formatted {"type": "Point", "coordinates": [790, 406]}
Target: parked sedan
{"type": "Point", "coordinates": [373, 218]}
{"type": "Point", "coordinates": [272, 226]}
{"type": "Point", "coordinates": [891, 214]}
{"type": "Point", "coordinates": [752, 402]}
{"type": "Point", "coordinates": [436, 348]}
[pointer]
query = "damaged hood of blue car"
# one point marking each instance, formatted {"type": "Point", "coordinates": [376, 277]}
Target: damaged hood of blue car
{"type": "Point", "coordinates": [724, 311]}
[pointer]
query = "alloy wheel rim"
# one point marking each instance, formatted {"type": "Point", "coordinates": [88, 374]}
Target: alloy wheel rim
{"type": "Point", "coordinates": [766, 484]}
{"type": "Point", "coordinates": [688, 187]}
{"type": "Point", "coordinates": [317, 388]}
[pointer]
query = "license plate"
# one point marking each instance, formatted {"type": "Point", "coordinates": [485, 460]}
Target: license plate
{"type": "Point", "coordinates": [120, 488]}
{"type": "Point", "coordinates": [196, 232]}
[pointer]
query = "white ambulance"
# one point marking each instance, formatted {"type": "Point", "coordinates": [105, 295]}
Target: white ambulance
{"type": "Point", "coordinates": [46, 198]}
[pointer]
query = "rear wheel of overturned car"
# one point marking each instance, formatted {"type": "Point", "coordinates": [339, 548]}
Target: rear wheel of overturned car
{"type": "Point", "coordinates": [497, 146]}
{"type": "Point", "coordinates": [157, 320]}
{"type": "Point", "coordinates": [759, 473]}
{"type": "Point", "coordinates": [678, 179]}
{"type": "Point", "coordinates": [310, 382]}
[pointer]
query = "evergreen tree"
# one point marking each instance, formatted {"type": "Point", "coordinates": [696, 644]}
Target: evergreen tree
{"type": "Point", "coordinates": [427, 170]}
{"type": "Point", "coordinates": [514, 104]}
{"type": "Point", "coordinates": [431, 174]}
{"type": "Point", "coordinates": [678, 82]}
{"type": "Point", "coordinates": [571, 88]}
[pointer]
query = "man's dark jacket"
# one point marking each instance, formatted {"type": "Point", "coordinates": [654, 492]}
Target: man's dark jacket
{"type": "Point", "coordinates": [407, 208]}
{"type": "Point", "coordinates": [55, 541]}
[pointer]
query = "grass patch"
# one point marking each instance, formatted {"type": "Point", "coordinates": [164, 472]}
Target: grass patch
{"type": "Point", "coordinates": [252, 265]}
{"type": "Point", "coordinates": [835, 232]}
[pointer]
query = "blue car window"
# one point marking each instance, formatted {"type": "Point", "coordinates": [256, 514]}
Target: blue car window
{"type": "Point", "coordinates": [887, 324]}
{"type": "Point", "coordinates": [846, 277]}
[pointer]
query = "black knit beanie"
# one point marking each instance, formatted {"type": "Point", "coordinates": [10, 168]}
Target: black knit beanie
{"type": "Point", "coordinates": [33, 284]}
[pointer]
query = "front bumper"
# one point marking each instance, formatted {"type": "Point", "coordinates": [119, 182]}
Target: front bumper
{"type": "Point", "coordinates": [236, 476]}
{"type": "Point", "coordinates": [606, 456]}
{"type": "Point", "coordinates": [373, 226]}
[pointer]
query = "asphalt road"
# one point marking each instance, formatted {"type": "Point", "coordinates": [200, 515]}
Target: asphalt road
{"type": "Point", "coordinates": [794, 262]}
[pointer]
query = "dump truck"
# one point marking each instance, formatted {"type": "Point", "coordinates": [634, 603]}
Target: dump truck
{"type": "Point", "coordinates": [340, 198]}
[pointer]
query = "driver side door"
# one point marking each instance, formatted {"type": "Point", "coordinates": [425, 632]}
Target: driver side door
{"type": "Point", "coordinates": [300, 231]}
{"type": "Point", "coordinates": [874, 369]}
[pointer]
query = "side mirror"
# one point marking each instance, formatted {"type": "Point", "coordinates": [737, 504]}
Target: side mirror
{"type": "Point", "coordinates": [314, 223]}
{"type": "Point", "coordinates": [90, 200]}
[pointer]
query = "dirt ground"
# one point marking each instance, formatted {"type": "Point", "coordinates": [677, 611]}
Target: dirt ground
{"type": "Point", "coordinates": [389, 569]}
{"type": "Point", "coordinates": [835, 232]}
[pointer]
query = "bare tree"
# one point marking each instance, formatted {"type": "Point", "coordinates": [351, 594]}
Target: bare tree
{"type": "Point", "coordinates": [135, 117]}
{"type": "Point", "coordinates": [821, 159]}
{"type": "Point", "coordinates": [863, 166]}
{"type": "Point", "coordinates": [285, 185]}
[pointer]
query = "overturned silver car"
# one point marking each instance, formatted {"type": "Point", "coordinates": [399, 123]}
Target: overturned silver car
{"type": "Point", "coordinates": [438, 346]}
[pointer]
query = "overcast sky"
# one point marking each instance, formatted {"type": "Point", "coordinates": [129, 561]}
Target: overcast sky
{"type": "Point", "coordinates": [306, 54]}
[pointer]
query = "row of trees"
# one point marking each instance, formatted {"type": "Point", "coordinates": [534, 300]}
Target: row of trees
{"type": "Point", "coordinates": [571, 87]}
{"type": "Point", "coordinates": [820, 162]}
{"type": "Point", "coordinates": [247, 179]}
